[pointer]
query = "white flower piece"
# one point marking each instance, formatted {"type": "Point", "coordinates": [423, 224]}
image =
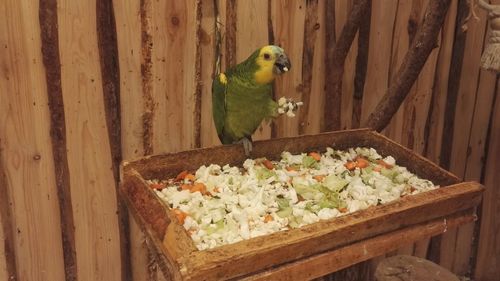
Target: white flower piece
{"type": "Point", "coordinates": [327, 213]}
{"type": "Point", "coordinates": [281, 101]}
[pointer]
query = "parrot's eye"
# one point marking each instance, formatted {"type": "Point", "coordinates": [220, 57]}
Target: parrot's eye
{"type": "Point", "coordinates": [267, 56]}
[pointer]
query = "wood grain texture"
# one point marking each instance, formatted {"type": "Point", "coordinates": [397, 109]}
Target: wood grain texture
{"type": "Point", "coordinates": [252, 33]}
{"type": "Point", "coordinates": [335, 260]}
{"type": "Point", "coordinates": [8, 269]}
{"type": "Point", "coordinates": [90, 163]}
{"type": "Point", "coordinates": [210, 14]}
{"type": "Point", "coordinates": [489, 239]}
{"type": "Point", "coordinates": [110, 76]}
{"type": "Point", "coordinates": [132, 105]}
{"type": "Point", "coordinates": [51, 61]}
{"type": "Point", "coordinates": [360, 70]}
{"type": "Point", "coordinates": [26, 151]}
{"type": "Point", "coordinates": [231, 21]}
{"type": "Point", "coordinates": [421, 47]}
{"type": "Point", "coordinates": [311, 27]}
{"type": "Point", "coordinates": [342, 47]}
{"type": "Point", "coordinates": [458, 260]}
{"type": "Point", "coordinates": [314, 121]}
{"type": "Point", "coordinates": [377, 74]}
{"type": "Point", "coordinates": [475, 163]}
{"type": "Point", "coordinates": [174, 29]}
{"type": "Point", "coordinates": [288, 19]}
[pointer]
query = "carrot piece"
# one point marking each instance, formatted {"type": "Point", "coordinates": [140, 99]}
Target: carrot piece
{"type": "Point", "coordinates": [268, 218]}
{"type": "Point", "coordinates": [216, 189]}
{"type": "Point", "coordinates": [377, 168]}
{"type": "Point", "coordinates": [157, 186]}
{"type": "Point", "coordinates": [181, 175]}
{"type": "Point", "coordinates": [190, 177]}
{"type": "Point", "coordinates": [186, 186]}
{"type": "Point", "coordinates": [290, 168]}
{"type": "Point", "coordinates": [198, 186]}
{"type": "Point", "coordinates": [385, 164]}
{"type": "Point", "coordinates": [350, 165]}
{"type": "Point", "coordinates": [319, 177]}
{"type": "Point", "coordinates": [362, 162]}
{"type": "Point", "coordinates": [181, 216]}
{"type": "Point", "coordinates": [316, 156]}
{"type": "Point", "coordinates": [343, 210]}
{"type": "Point", "coordinates": [268, 164]}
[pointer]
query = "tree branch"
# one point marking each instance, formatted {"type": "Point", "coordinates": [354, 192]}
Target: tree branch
{"type": "Point", "coordinates": [336, 61]}
{"type": "Point", "coordinates": [425, 40]}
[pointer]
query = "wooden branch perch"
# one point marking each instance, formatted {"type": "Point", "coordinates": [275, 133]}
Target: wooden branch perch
{"type": "Point", "coordinates": [336, 61]}
{"type": "Point", "coordinates": [425, 40]}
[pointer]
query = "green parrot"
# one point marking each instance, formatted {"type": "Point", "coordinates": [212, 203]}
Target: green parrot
{"type": "Point", "coordinates": [242, 96]}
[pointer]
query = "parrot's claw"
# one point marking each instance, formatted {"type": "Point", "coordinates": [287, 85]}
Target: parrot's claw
{"type": "Point", "coordinates": [247, 145]}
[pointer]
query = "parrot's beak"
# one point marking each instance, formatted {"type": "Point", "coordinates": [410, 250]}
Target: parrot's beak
{"type": "Point", "coordinates": [282, 64]}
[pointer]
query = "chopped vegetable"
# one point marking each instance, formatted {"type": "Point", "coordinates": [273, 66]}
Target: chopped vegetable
{"type": "Point", "coordinates": [190, 177]}
{"type": "Point", "coordinates": [362, 162]}
{"type": "Point", "coordinates": [268, 164]}
{"type": "Point", "coordinates": [316, 156]}
{"type": "Point", "coordinates": [181, 216]}
{"type": "Point", "coordinates": [222, 205]}
{"type": "Point", "coordinates": [157, 186]}
{"type": "Point", "coordinates": [350, 165]}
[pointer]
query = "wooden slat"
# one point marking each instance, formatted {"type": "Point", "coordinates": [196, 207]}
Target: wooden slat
{"type": "Point", "coordinates": [488, 256]}
{"type": "Point", "coordinates": [110, 76]}
{"type": "Point", "coordinates": [377, 76]}
{"type": "Point", "coordinates": [208, 41]}
{"type": "Point", "coordinates": [50, 51]}
{"type": "Point", "coordinates": [435, 120]}
{"type": "Point", "coordinates": [360, 71]}
{"type": "Point", "coordinates": [8, 269]}
{"type": "Point", "coordinates": [331, 261]}
{"type": "Point", "coordinates": [311, 26]}
{"type": "Point", "coordinates": [400, 44]}
{"type": "Point", "coordinates": [342, 11]}
{"type": "Point", "coordinates": [27, 156]}
{"type": "Point", "coordinates": [251, 34]}
{"type": "Point", "coordinates": [325, 235]}
{"type": "Point", "coordinates": [128, 28]}
{"type": "Point", "coordinates": [463, 115]}
{"type": "Point", "coordinates": [314, 118]}
{"type": "Point", "coordinates": [174, 84]}
{"type": "Point", "coordinates": [88, 148]}
{"type": "Point", "coordinates": [288, 19]}
{"type": "Point", "coordinates": [475, 164]}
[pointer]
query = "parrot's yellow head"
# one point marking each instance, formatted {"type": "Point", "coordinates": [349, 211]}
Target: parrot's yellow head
{"type": "Point", "coordinates": [271, 61]}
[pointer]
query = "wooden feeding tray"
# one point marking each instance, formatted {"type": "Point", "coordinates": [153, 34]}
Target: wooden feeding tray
{"type": "Point", "coordinates": [311, 250]}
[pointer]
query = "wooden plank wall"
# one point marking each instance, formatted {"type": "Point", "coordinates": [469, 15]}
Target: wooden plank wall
{"type": "Point", "coordinates": [84, 84]}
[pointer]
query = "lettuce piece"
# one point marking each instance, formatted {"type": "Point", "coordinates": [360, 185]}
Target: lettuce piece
{"type": "Point", "coordinates": [285, 213]}
{"type": "Point", "coordinates": [264, 173]}
{"type": "Point", "coordinates": [334, 183]}
{"type": "Point", "coordinates": [215, 227]}
{"type": "Point", "coordinates": [308, 192]}
{"type": "Point", "coordinates": [285, 210]}
{"type": "Point", "coordinates": [309, 162]}
{"type": "Point", "coordinates": [390, 173]}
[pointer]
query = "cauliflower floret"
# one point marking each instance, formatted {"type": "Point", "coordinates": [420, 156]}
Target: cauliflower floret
{"type": "Point", "coordinates": [327, 213]}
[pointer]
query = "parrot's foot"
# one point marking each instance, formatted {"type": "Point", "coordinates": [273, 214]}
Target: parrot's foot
{"type": "Point", "coordinates": [247, 145]}
{"type": "Point", "coordinates": [288, 106]}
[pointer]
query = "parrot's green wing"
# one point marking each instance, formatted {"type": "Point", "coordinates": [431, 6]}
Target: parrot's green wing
{"type": "Point", "coordinates": [219, 103]}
